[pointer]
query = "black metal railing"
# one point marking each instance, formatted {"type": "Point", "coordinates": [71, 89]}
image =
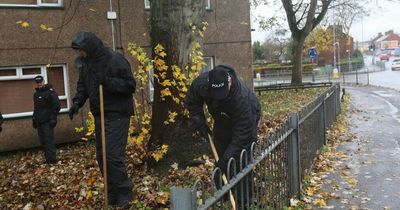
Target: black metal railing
{"type": "Point", "coordinates": [268, 175]}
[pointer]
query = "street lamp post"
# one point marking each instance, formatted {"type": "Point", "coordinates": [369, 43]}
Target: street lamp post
{"type": "Point", "coordinates": [338, 58]}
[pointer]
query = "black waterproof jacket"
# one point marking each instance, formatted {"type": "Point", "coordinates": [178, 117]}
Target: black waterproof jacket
{"type": "Point", "coordinates": [242, 108]}
{"type": "Point", "coordinates": [119, 84]}
{"type": "Point", "coordinates": [46, 105]}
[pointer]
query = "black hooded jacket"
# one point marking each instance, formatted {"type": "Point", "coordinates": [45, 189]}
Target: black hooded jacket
{"type": "Point", "coordinates": [119, 84]}
{"type": "Point", "coordinates": [241, 107]}
{"type": "Point", "coordinates": [46, 104]}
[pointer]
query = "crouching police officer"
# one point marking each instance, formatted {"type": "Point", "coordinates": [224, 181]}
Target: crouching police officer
{"type": "Point", "coordinates": [234, 108]}
{"type": "Point", "coordinates": [46, 108]}
{"type": "Point", "coordinates": [99, 65]}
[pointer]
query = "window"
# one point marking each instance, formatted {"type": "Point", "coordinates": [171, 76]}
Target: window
{"type": "Point", "coordinates": [147, 4]}
{"type": "Point", "coordinates": [17, 88]}
{"type": "Point", "coordinates": [208, 4]}
{"type": "Point", "coordinates": [210, 64]}
{"type": "Point", "coordinates": [31, 3]}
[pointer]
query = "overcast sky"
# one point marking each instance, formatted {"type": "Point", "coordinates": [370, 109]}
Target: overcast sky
{"type": "Point", "coordinates": [385, 16]}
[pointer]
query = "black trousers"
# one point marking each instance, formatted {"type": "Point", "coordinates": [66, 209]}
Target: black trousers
{"type": "Point", "coordinates": [117, 128]}
{"type": "Point", "coordinates": [46, 137]}
{"type": "Point", "coordinates": [222, 135]}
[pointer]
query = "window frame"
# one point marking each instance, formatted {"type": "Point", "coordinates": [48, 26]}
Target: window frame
{"type": "Point", "coordinates": [212, 58]}
{"type": "Point", "coordinates": [208, 6]}
{"type": "Point", "coordinates": [39, 3]}
{"type": "Point", "coordinates": [147, 4]}
{"type": "Point", "coordinates": [43, 72]}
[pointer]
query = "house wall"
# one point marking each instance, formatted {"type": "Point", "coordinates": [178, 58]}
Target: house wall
{"type": "Point", "coordinates": [227, 40]}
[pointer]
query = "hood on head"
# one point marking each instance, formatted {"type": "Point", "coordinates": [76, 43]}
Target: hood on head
{"type": "Point", "coordinates": [88, 42]}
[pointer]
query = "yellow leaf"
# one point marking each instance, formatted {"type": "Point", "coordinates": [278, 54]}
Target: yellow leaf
{"type": "Point", "coordinates": [43, 27]}
{"type": "Point", "coordinates": [91, 9]}
{"type": "Point", "coordinates": [165, 92]}
{"type": "Point", "coordinates": [89, 194]}
{"type": "Point", "coordinates": [163, 54]}
{"type": "Point", "coordinates": [166, 82]}
{"type": "Point", "coordinates": [310, 191]}
{"type": "Point", "coordinates": [50, 29]}
{"type": "Point", "coordinates": [162, 197]}
{"type": "Point", "coordinates": [159, 48]}
{"type": "Point", "coordinates": [320, 203]}
{"type": "Point", "coordinates": [352, 182]}
{"type": "Point", "coordinates": [48, 65]}
{"type": "Point", "coordinates": [19, 22]}
{"type": "Point", "coordinates": [25, 24]}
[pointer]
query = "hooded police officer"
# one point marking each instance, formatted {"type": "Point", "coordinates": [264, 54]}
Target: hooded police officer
{"type": "Point", "coordinates": [234, 108]}
{"type": "Point", "coordinates": [46, 108]}
{"type": "Point", "coordinates": [100, 65]}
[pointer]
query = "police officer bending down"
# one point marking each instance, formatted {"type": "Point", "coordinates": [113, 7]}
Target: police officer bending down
{"type": "Point", "coordinates": [234, 108]}
{"type": "Point", "coordinates": [46, 108]}
{"type": "Point", "coordinates": [99, 65]}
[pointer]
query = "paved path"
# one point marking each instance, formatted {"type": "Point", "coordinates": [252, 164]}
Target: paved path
{"type": "Point", "coordinates": [374, 155]}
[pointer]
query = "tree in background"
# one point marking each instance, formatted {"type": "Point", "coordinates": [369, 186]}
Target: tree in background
{"type": "Point", "coordinates": [258, 54]}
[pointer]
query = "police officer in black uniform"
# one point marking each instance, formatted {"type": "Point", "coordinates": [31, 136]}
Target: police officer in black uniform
{"type": "Point", "coordinates": [100, 65]}
{"type": "Point", "coordinates": [234, 108]}
{"type": "Point", "coordinates": [46, 108]}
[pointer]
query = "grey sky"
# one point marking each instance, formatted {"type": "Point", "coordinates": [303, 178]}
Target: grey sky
{"type": "Point", "coordinates": [385, 16]}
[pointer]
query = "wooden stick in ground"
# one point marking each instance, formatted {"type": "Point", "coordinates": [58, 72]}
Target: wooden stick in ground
{"type": "Point", "coordinates": [103, 146]}
{"type": "Point", "coordinates": [224, 179]}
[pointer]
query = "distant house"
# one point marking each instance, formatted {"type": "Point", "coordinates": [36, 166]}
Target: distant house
{"type": "Point", "coordinates": [27, 46]}
{"type": "Point", "coordinates": [389, 41]}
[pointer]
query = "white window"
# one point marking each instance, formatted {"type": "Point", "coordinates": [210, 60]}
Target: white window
{"type": "Point", "coordinates": [147, 4]}
{"type": "Point", "coordinates": [210, 64]}
{"type": "Point", "coordinates": [208, 4]}
{"type": "Point", "coordinates": [17, 88]}
{"type": "Point", "coordinates": [31, 3]}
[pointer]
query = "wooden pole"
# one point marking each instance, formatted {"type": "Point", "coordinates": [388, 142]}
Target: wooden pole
{"type": "Point", "coordinates": [103, 146]}
{"type": "Point", "coordinates": [224, 179]}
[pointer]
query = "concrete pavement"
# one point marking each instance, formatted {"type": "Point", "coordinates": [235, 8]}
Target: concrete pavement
{"type": "Point", "coordinates": [373, 156]}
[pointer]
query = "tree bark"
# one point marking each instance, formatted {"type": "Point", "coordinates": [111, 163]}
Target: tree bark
{"type": "Point", "coordinates": [170, 27]}
{"type": "Point", "coordinates": [297, 51]}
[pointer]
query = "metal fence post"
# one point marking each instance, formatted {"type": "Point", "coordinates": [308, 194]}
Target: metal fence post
{"type": "Point", "coordinates": [324, 116]}
{"type": "Point", "coordinates": [294, 156]}
{"type": "Point", "coordinates": [182, 198]}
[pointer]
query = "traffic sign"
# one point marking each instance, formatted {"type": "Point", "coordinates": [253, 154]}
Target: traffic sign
{"type": "Point", "coordinates": [312, 53]}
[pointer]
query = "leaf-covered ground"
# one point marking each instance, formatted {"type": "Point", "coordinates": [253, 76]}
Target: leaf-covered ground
{"type": "Point", "coordinates": [75, 183]}
{"type": "Point", "coordinates": [315, 194]}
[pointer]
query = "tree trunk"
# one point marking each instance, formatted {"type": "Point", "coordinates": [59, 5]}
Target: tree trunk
{"type": "Point", "coordinates": [297, 51]}
{"type": "Point", "coordinates": [170, 27]}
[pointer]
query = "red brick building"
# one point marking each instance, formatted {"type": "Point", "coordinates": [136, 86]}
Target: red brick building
{"type": "Point", "coordinates": [26, 50]}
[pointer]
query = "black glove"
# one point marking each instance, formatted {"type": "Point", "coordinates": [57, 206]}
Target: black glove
{"type": "Point", "coordinates": [34, 125]}
{"type": "Point", "coordinates": [100, 77]}
{"type": "Point", "coordinates": [204, 130]}
{"type": "Point", "coordinates": [222, 164]}
{"type": "Point", "coordinates": [73, 110]}
{"type": "Point", "coordinates": [53, 122]}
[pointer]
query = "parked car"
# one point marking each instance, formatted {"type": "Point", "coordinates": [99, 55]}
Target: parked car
{"type": "Point", "coordinates": [396, 64]}
{"type": "Point", "coordinates": [384, 57]}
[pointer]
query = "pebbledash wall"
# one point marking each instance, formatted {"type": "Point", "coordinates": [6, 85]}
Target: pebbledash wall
{"type": "Point", "coordinates": [25, 51]}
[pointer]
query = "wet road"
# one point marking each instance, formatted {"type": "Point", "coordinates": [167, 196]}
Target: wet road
{"type": "Point", "coordinates": [387, 78]}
